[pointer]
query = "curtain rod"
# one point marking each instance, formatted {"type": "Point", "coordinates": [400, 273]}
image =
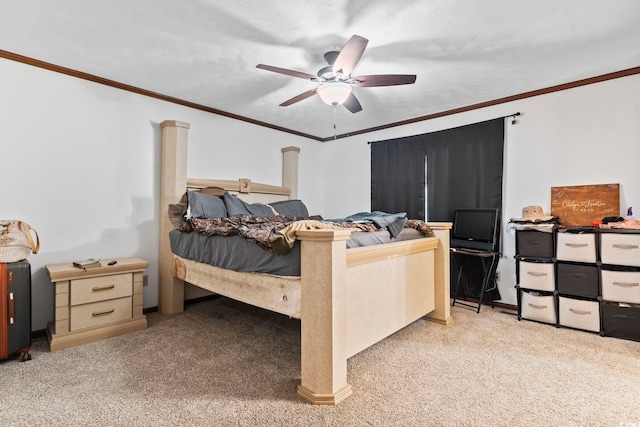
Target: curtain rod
{"type": "Point", "coordinates": [514, 115]}
{"type": "Point", "coordinates": [513, 122]}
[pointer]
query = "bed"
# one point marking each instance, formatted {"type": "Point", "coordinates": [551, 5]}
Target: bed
{"type": "Point", "coordinates": [346, 299]}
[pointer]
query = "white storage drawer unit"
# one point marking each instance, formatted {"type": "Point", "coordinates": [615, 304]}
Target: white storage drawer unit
{"type": "Point", "coordinates": [580, 314]}
{"type": "Point", "coordinates": [620, 286]}
{"type": "Point", "coordinates": [537, 275]}
{"type": "Point", "coordinates": [577, 247]}
{"type": "Point", "coordinates": [538, 307]}
{"type": "Point", "coordinates": [620, 249]}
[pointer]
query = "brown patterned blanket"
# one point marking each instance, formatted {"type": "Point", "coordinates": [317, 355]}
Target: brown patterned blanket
{"type": "Point", "coordinates": [263, 229]}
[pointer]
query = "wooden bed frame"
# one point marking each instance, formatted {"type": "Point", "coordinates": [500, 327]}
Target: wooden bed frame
{"type": "Point", "coordinates": [347, 299]}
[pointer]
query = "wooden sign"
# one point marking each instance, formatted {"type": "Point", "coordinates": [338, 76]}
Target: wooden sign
{"type": "Point", "coordinates": [580, 205]}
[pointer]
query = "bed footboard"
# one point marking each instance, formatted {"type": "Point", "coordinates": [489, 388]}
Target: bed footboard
{"type": "Point", "coordinates": [353, 298]}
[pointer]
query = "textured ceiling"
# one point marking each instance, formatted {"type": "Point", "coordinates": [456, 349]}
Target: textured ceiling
{"type": "Point", "coordinates": [464, 52]}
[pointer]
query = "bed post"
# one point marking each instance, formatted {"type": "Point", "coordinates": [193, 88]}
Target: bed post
{"type": "Point", "coordinates": [173, 183]}
{"type": "Point", "coordinates": [442, 312]}
{"type": "Point", "coordinates": [290, 170]}
{"type": "Point", "coordinates": [324, 316]}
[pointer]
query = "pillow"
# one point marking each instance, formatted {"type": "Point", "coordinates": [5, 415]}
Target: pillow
{"type": "Point", "coordinates": [290, 208]}
{"type": "Point", "coordinates": [237, 206]}
{"type": "Point", "coordinates": [201, 205]}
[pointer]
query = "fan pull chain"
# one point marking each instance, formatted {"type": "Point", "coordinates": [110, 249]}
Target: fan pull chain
{"type": "Point", "coordinates": [335, 136]}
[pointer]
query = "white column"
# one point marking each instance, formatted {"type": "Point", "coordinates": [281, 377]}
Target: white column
{"type": "Point", "coordinates": [173, 184]}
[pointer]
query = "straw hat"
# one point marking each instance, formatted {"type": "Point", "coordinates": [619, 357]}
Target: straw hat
{"type": "Point", "coordinates": [534, 214]}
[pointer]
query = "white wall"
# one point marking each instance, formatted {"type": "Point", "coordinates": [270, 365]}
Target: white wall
{"type": "Point", "coordinates": [80, 163]}
{"type": "Point", "coordinates": [585, 135]}
{"type": "Point", "coordinates": [87, 176]}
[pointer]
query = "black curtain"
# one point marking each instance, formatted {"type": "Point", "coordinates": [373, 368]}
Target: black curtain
{"type": "Point", "coordinates": [463, 165]}
{"type": "Point", "coordinates": [463, 170]}
{"type": "Point", "coordinates": [399, 181]}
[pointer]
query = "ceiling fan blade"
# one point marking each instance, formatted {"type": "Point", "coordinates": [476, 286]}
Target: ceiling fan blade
{"type": "Point", "coordinates": [352, 104]}
{"type": "Point", "coordinates": [350, 55]}
{"type": "Point", "coordinates": [287, 72]}
{"type": "Point", "coordinates": [384, 80]}
{"type": "Point", "coordinates": [298, 98]}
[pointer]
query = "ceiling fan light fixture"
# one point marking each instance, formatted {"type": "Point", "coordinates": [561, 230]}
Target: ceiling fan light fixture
{"type": "Point", "coordinates": [334, 93]}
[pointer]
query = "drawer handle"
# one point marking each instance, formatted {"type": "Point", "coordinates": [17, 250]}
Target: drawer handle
{"type": "Point", "coordinates": [622, 316]}
{"type": "Point", "coordinates": [102, 313]}
{"type": "Point", "coordinates": [576, 311]}
{"type": "Point", "coordinates": [103, 288]}
{"type": "Point", "coordinates": [626, 284]}
{"type": "Point", "coordinates": [536, 274]}
{"type": "Point", "coordinates": [537, 306]}
{"type": "Point", "coordinates": [576, 245]}
{"type": "Point", "coordinates": [624, 246]}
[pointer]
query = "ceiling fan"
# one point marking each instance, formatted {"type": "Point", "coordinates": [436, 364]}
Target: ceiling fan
{"type": "Point", "coordinates": [335, 79]}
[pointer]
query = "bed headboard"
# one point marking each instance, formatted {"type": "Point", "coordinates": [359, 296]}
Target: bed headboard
{"type": "Point", "coordinates": [244, 188]}
{"type": "Point", "coordinates": [174, 183]}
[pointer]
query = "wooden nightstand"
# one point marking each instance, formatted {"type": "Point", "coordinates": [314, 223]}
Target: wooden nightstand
{"type": "Point", "coordinates": [96, 303]}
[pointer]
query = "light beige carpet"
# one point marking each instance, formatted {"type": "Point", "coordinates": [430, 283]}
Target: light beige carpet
{"type": "Point", "coordinates": [223, 363]}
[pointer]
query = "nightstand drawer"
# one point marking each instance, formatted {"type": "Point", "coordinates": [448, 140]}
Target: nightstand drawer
{"type": "Point", "coordinates": [101, 288]}
{"type": "Point", "coordinates": [100, 313]}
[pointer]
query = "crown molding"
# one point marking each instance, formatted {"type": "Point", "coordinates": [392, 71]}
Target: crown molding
{"type": "Point", "coordinates": [97, 79]}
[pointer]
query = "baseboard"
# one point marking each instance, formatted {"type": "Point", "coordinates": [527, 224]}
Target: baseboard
{"type": "Point", "coordinates": [42, 333]}
{"type": "Point", "coordinates": [496, 304]}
